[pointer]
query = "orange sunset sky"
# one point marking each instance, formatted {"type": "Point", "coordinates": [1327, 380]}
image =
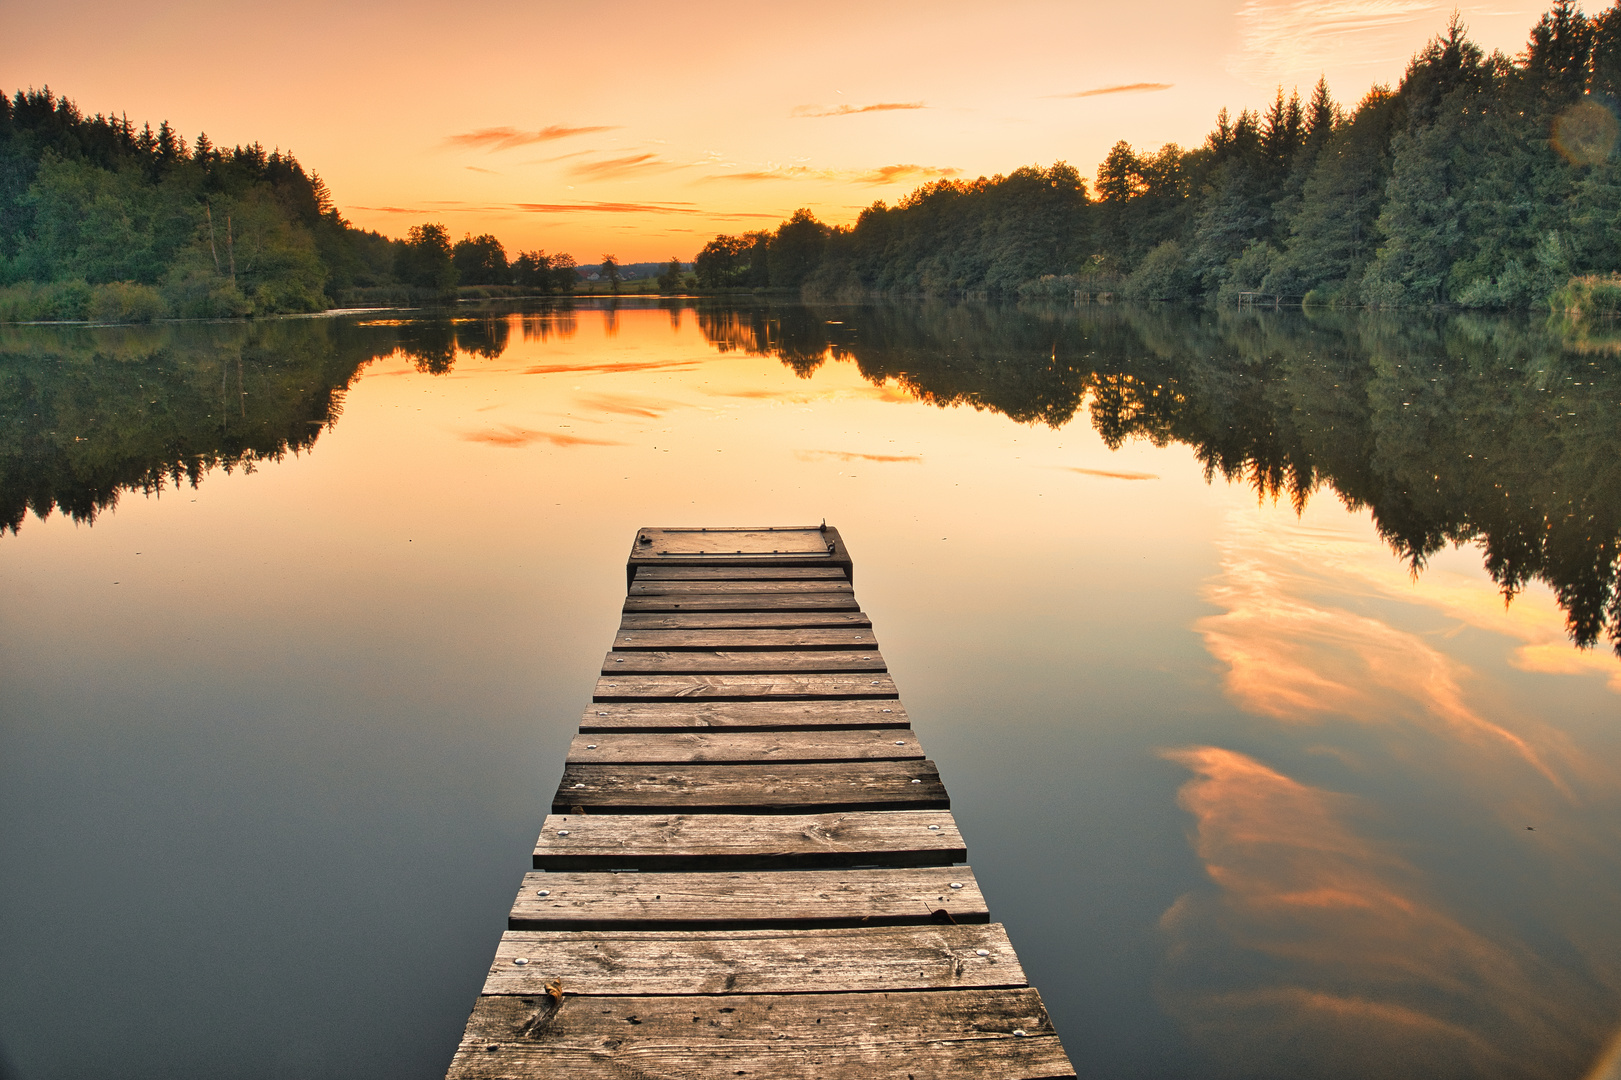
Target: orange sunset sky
{"type": "Point", "coordinates": [642, 129]}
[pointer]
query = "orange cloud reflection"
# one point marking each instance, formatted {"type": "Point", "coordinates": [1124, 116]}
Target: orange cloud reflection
{"type": "Point", "coordinates": [609, 369]}
{"type": "Point", "coordinates": [1298, 648]}
{"type": "Point", "coordinates": [515, 437]}
{"type": "Point", "coordinates": [1316, 944]}
{"type": "Point", "coordinates": [846, 455]}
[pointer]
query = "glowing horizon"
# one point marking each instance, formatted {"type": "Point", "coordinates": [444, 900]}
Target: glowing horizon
{"type": "Point", "coordinates": [551, 129]}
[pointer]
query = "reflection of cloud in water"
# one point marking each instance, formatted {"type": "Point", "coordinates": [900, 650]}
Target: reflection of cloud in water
{"type": "Point", "coordinates": [1106, 473]}
{"type": "Point", "coordinates": [1533, 618]}
{"type": "Point", "coordinates": [1294, 654]}
{"type": "Point", "coordinates": [886, 392]}
{"type": "Point", "coordinates": [621, 406]}
{"type": "Point", "coordinates": [847, 455]}
{"type": "Point", "coordinates": [1316, 950]}
{"type": "Point", "coordinates": [609, 369]}
{"type": "Point", "coordinates": [516, 437]}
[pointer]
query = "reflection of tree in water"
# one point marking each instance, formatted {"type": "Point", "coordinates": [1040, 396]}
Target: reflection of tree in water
{"type": "Point", "coordinates": [430, 344]}
{"type": "Point", "coordinates": [1449, 430]}
{"type": "Point", "coordinates": [542, 326]}
{"type": "Point", "coordinates": [797, 335]}
{"type": "Point", "coordinates": [484, 337]}
{"type": "Point", "coordinates": [88, 413]}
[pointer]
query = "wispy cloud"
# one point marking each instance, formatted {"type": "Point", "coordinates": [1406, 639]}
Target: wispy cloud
{"type": "Point", "coordinates": [505, 138]}
{"type": "Point", "coordinates": [606, 208]}
{"type": "Point", "coordinates": [1123, 88]}
{"type": "Point", "coordinates": [629, 165]}
{"type": "Point", "coordinates": [899, 174]}
{"type": "Point", "coordinates": [1283, 38]}
{"type": "Point", "coordinates": [511, 436]}
{"type": "Point", "coordinates": [793, 173]}
{"type": "Point", "coordinates": [475, 168]}
{"type": "Point", "coordinates": [853, 110]}
{"type": "Point", "coordinates": [847, 455]}
{"type": "Point", "coordinates": [434, 208]}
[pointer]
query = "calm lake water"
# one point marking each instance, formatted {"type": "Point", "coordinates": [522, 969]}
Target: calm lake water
{"type": "Point", "coordinates": [290, 670]}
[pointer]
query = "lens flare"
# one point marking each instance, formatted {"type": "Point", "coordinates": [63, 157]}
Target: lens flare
{"type": "Point", "coordinates": [1585, 133]}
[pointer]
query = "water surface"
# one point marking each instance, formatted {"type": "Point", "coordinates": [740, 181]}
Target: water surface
{"type": "Point", "coordinates": [1202, 615]}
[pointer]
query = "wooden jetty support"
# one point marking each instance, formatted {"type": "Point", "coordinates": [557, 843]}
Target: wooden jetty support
{"type": "Point", "coordinates": [750, 868]}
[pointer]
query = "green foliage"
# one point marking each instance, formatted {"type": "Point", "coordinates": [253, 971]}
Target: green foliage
{"type": "Point", "coordinates": [217, 232]}
{"type": "Point", "coordinates": [671, 279]}
{"type": "Point", "coordinates": [1162, 275]}
{"type": "Point", "coordinates": [1588, 296]}
{"type": "Point", "coordinates": [480, 260]}
{"type": "Point", "coordinates": [424, 259]}
{"type": "Point", "coordinates": [125, 302]}
{"type": "Point", "coordinates": [1444, 190]}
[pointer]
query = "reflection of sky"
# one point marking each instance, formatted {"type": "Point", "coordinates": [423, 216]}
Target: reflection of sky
{"type": "Point", "coordinates": [1328, 925]}
{"type": "Point", "coordinates": [328, 700]}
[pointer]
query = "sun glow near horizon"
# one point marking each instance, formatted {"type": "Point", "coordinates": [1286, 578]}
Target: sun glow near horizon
{"type": "Point", "coordinates": [646, 134]}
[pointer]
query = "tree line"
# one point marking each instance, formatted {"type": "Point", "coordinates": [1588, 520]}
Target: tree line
{"type": "Point", "coordinates": [1482, 181]}
{"type": "Point", "coordinates": [101, 219]}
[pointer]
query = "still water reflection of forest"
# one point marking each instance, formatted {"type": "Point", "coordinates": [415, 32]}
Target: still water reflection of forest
{"type": "Point", "coordinates": [1269, 658]}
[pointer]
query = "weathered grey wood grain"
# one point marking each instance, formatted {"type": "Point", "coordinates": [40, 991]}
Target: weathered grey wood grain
{"type": "Point", "coordinates": [741, 715]}
{"type": "Point", "coordinates": [742, 602]}
{"type": "Point", "coordinates": [833, 638]}
{"type": "Point", "coordinates": [742, 789]}
{"type": "Point", "coordinates": [739, 573]}
{"type": "Point", "coordinates": [923, 1035]}
{"type": "Point", "coordinates": [742, 687]}
{"type": "Point", "coordinates": [741, 620]}
{"type": "Point", "coordinates": [815, 586]}
{"type": "Point", "coordinates": [720, 662]}
{"type": "Point", "coordinates": [679, 841]}
{"type": "Point", "coordinates": [745, 747]}
{"type": "Point", "coordinates": [844, 960]}
{"type": "Point", "coordinates": [784, 899]}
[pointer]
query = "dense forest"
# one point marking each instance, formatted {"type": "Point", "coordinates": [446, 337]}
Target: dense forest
{"type": "Point", "coordinates": [101, 220]}
{"type": "Point", "coordinates": [1479, 181]}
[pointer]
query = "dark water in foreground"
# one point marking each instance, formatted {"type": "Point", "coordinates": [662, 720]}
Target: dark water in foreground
{"type": "Point", "coordinates": [1202, 616]}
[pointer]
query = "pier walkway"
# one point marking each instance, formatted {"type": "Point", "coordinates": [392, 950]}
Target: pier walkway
{"type": "Point", "coordinates": [750, 868]}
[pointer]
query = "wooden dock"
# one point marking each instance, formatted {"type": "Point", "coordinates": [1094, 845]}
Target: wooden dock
{"type": "Point", "coordinates": [750, 868]}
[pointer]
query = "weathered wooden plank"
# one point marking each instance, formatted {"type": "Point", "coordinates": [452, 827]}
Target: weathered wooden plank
{"type": "Point", "coordinates": [923, 1035]}
{"type": "Point", "coordinates": [655, 542]}
{"type": "Point", "coordinates": [757, 747]}
{"type": "Point", "coordinates": [748, 900]}
{"type": "Point", "coordinates": [720, 662]}
{"type": "Point", "coordinates": [742, 715]}
{"type": "Point", "coordinates": [662, 842]}
{"type": "Point", "coordinates": [742, 602]}
{"type": "Point", "coordinates": [832, 638]}
{"type": "Point", "coordinates": [739, 573]}
{"type": "Point", "coordinates": [713, 587]}
{"type": "Point", "coordinates": [741, 620]}
{"type": "Point", "coordinates": [843, 960]}
{"type": "Point", "coordinates": [742, 687]}
{"type": "Point", "coordinates": [742, 789]}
